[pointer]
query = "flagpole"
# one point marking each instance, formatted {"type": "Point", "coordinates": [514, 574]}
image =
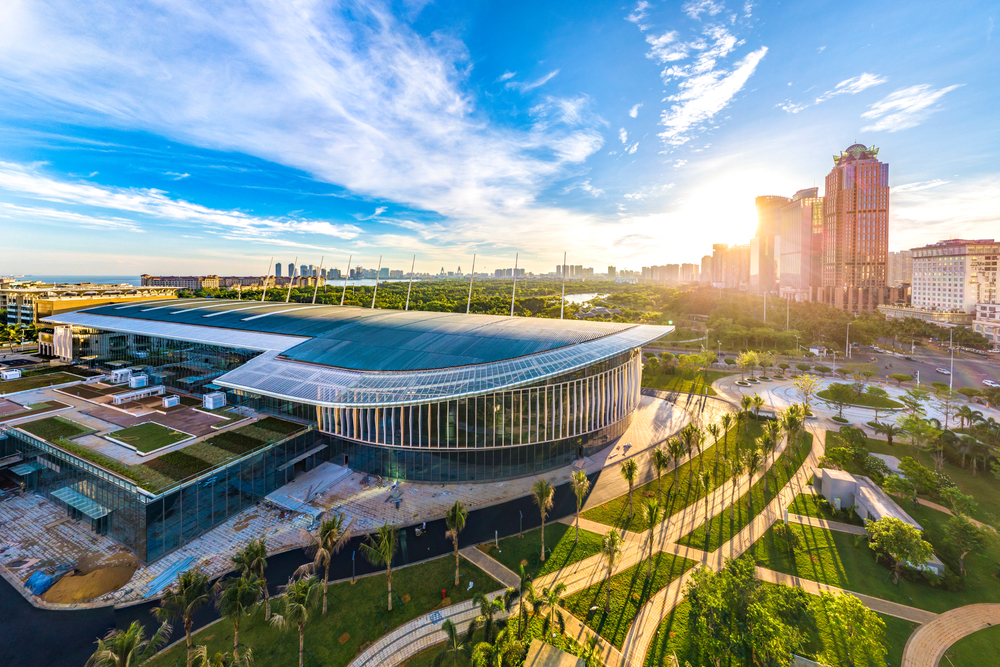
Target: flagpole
{"type": "Point", "coordinates": [412, 264]}
{"type": "Point", "coordinates": [345, 279]}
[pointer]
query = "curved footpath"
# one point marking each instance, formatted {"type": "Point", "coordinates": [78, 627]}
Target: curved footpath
{"type": "Point", "coordinates": [928, 643]}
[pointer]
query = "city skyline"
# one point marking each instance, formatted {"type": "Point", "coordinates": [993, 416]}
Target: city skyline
{"type": "Point", "coordinates": [385, 157]}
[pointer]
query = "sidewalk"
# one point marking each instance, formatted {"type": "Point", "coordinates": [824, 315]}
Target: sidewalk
{"type": "Point", "coordinates": [816, 522]}
{"type": "Point", "coordinates": [928, 643]}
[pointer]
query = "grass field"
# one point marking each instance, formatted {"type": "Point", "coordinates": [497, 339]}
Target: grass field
{"type": "Point", "coordinates": [150, 436]}
{"type": "Point", "coordinates": [686, 492]}
{"type": "Point", "coordinates": [36, 382]}
{"type": "Point", "coordinates": [54, 428]}
{"type": "Point", "coordinates": [33, 408]}
{"type": "Point", "coordinates": [630, 589]}
{"type": "Point", "coordinates": [559, 545]}
{"type": "Point", "coordinates": [979, 648]}
{"type": "Point", "coordinates": [358, 611]}
{"type": "Point", "coordinates": [864, 400]}
{"type": "Point", "coordinates": [807, 504]}
{"type": "Point", "coordinates": [833, 558]}
{"type": "Point", "coordinates": [818, 636]}
{"type": "Point", "coordinates": [722, 527]}
{"type": "Point", "coordinates": [691, 382]}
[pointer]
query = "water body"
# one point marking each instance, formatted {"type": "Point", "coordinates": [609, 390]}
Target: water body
{"type": "Point", "coordinates": [583, 298]}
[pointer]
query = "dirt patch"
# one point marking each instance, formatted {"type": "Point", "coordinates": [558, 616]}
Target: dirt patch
{"type": "Point", "coordinates": [95, 575]}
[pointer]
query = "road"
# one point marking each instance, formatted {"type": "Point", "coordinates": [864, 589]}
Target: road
{"type": "Point", "coordinates": [970, 371]}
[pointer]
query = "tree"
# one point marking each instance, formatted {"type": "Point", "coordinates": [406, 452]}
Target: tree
{"type": "Point", "coordinates": [747, 361]}
{"type": "Point", "coordinates": [861, 629]}
{"type": "Point", "coordinates": [202, 658]}
{"type": "Point", "coordinates": [899, 541]}
{"type": "Point", "coordinates": [128, 648]}
{"type": "Point", "coordinates": [706, 486]}
{"type": "Point", "coordinates": [455, 521]}
{"type": "Point", "coordinates": [758, 403]}
{"type": "Point", "coordinates": [839, 395]}
{"type": "Point", "coordinates": [914, 400]}
{"type": "Point", "coordinates": [490, 611]}
{"type": "Point", "coordinates": [328, 540]}
{"type": "Point", "coordinates": [252, 559]}
{"type": "Point", "coordinates": [182, 600]}
{"type": "Point", "coordinates": [959, 502]}
{"type": "Point", "coordinates": [660, 461]}
{"type": "Point", "coordinates": [379, 549]}
{"type": "Point", "coordinates": [806, 386]}
{"type": "Point", "coordinates": [922, 478]}
{"type": "Point", "coordinates": [525, 591]}
{"type": "Point", "coordinates": [235, 598]}
{"type": "Point", "coordinates": [964, 536]}
{"type": "Point", "coordinates": [581, 487]}
{"type": "Point", "coordinates": [675, 447]}
{"type": "Point", "coordinates": [628, 470]}
{"type": "Point", "coordinates": [507, 650]}
{"type": "Point", "coordinates": [889, 430]}
{"type": "Point", "coordinates": [727, 425]}
{"type": "Point", "coordinates": [611, 549]}
{"type": "Point", "coordinates": [968, 416]}
{"type": "Point", "coordinates": [878, 394]}
{"type": "Point", "coordinates": [299, 599]}
{"type": "Point", "coordinates": [455, 644]}
{"type": "Point", "coordinates": [548, 608]}
{"type": "Point", "coordinates": [542, 493]}
{"type": "Point", "coordinates": [753, 461]}
{"type": "Point", "coordinates": [803, 367]}
{"type": "Point", "coordinates": [901, 486]}
{"type": "Point", "coordinates": [900, 378]}
{"type": "Point", "coordinates": [947, 403]}
{"type": "Point", "coordinates": [651, 512]}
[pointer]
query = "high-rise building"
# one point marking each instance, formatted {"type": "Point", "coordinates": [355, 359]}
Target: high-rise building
{"type": "Point", "coordinates": [383, 273]}
{"type": "Point", "coordinates": [736, 261]}
{"type": "Point", "coordinates": [763, 248]}
{"type": "Point", "coordinates": [706, 269]}
{"type": "Point", "coordinates": [718, 262]}
{"type": "Point", "coordinates": [801, 245]}
{"type": "Point", "coordinates": [900, 267]}
{"type": "Point", "coordinates": [277, 270]}
{"type": "Point", "coordinates": [612, 272]}
{"type": "Point", "coordinates": [688, 273]}
{"type": "Point", "coordinates": [955, 275]}
{"type": "Point", "coordinates": [304, 270]}
{"type": "Point", "coordinates": [291, 270]}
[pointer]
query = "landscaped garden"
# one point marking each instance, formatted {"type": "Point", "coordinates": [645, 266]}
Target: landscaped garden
{"type": "Point", "coordinates": [688, 489]}
{"type": "Point", "coordinates": [560, 547]}
{"type": "Point", "coordinates": [357, 616]}
{"type": "Point", "coordinates": [689, 382]}
{"type": "Point", "coordinates": [812, 505]}
{"type": "Point", "coordinates": [54, 428]}
{"type": "Point", "coordinates": [33, 409]}
{"type": "Point", "coordinates": [37, 382]}
{"type": "Point", "coordinates": [149, 437]}
{"type": "Point", "coordinates": [970, 651]}
{"type": "Point", "coordinates": [741, 511]}
{"type": "Point", "coordinates": [864, 400]}
{"type": "Point", "coordinates": [630, 589]}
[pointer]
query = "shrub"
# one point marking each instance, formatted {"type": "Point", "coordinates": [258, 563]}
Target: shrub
{"type": "Point", "coordinates": [803, 367]}
{"type": "Point", "coordinates": [823, 369]}
{"type": "Point", "coordinates": [900, 378]}
{"type": "Point", "coordinates": [730, 362]}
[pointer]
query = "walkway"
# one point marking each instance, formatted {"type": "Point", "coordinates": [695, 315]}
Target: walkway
{"type": "Point", "coordinates": [507, 577]}
{"type": "Point", "coordinates": [816, 522]}
{"type": "Point", "coordinates": [928, 643]}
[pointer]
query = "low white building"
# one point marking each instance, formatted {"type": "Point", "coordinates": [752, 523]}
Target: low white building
{"type": "Point", "coordinates": [987, 322]}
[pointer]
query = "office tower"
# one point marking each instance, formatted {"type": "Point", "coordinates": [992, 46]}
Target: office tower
{"type": "Point", "coordinates": [612, 272]}
{"type": "Point", "coordinates": [706, 269]}
{"type": "Point", "coordinates": [587, 274]}
{"type": "Point", "coordinates": [953, 276]}
{"type": "Point", "coordinates": [383, 273]}
{"type": "Point", "coordinates": [736, 262]}
{"type": "Point", "coordinates": [718, 262]}
{"type": "Point", "coordinates": [900, 267]}
{"type": "Point", "coordinates": [559, 270]}
{"type": "Point", "coordinates": [277, 270]}
{"type": "Point", "coordinates": [688, 273]}
{"type": "Point", "coordinates": [763, 248]}
{"type": "Point", "coordinates": [671, 273]}
{"type": "Point", "coordinates": [291, 270]}
{"type": "Point", "coordinates": [801, 245]}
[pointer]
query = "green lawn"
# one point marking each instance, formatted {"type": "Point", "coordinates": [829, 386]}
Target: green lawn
{"type": "Point", "coordinates": [53, 428]}
{"type": "Point", "coordinates": [691, 382]}
{"type": "Point", "coordinates": [708, 537]}
{"type": "Point", "coordinates": [979, 648]}
{"type": "Point", "coordinates": [833, 558]}
{"type": "Point", "coordinates": [864, 400]}
{"type": "Point", "coordinates": [984, 487]}
{"type": "Point", "coordinates": [630, 589]}
{"type": "Point", "coordinates": [358, 611]}
{"type": "Point", "coordinates": [229, 417]}
{"type": "Point", "coordinates": [36, 382]}
{"type": "Point", "coordinates": [672, 638]}
{"type": "Point", "coordinates": [150, 436]}
{"type": "Point", "coordinates": [685, 493]}
{"type": "Point", "coordinates": [808, 504]}
{"type": "Point", "coordinates": [33, 408]}
{"type": "Point", "coordinates": [559, 543]}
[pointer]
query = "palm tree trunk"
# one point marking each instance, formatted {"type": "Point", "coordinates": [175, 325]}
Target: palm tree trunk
{"type": "Point", "coordinates": [543, 540]}
{"type": "Point", "coordinates": [326, 583]}
{"type": "Point", "coordinates": [267, 602]}
{"type": "Point", "coordinates": [188, 623]}
{"type": "Point", "coordinates": [576, 540]}
{"type": "Point", "coordinates": [388, 578]}
{"type": "Point", "coordinates": [456, 560]}
{"type": "Point", "coordinates": [302, 643]}
{"type": "Point", "coordinates": [236, 636]}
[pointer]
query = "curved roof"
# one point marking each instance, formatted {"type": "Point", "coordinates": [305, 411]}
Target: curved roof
{"type": "Point", "coordinates": [365, 339]}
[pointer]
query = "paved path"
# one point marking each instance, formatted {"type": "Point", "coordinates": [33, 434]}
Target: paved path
{"type": "Point", "coordinates": [492, 567]}
{"type": "Point", "coordinates": [829, 525]}
{"type": "Point", "coordinates": [875, 604]}
{"type": "Point", "coordinates": [928, 643]}
{"type": "Point", "coordinates": [941, 508]}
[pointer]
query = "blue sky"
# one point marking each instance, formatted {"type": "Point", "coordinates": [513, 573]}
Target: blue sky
{"type": "Point", "coordinates": [173, 138]}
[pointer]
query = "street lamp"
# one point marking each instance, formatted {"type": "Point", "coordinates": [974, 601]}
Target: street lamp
{"type": "Point", "coordinates": [951, 345]}
{"type": "Point", "coordinates": [849, 340]}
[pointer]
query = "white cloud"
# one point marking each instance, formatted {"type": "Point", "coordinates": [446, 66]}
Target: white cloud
{"type": "Point", "coordinates": [634, 111]}
{"type": "Point", "coordinates": [586, 187]}
{"type": "Point", "coordinates": [639, 13]}
{"type": "Point", "coordinates": [379, 210]}
{"type": "Point", "coordinates": [623, 135]}
{"type": "Point", "coordinates": [634, 148]}
{"type": "Point", "coordinates": [36, 213]}
{"type": "Point", "coordinates": [177, 177]}
{"type": "Point", "coordinates": [506, 75]}
{"type": "Point", "coordinates": [918, 216]}
{"type": "Point", "coordinates": [821, 49]}
{"type": "Point", "coordinates": [531, 85]}
{"type": "Point", "coordinates": [695, 8]}
{"type": "Point", "coordinates": [790, 107]}
{"type": "Point", "coordinates": [904, 108]}
{"type": "Point", "coordinates": [680, 163]}
{"type": "Point", "coordinates": [851, 86]}
{"type": "Point", "coordinates": [92, 174]}
{"type": "Point", "coordinates": [666, 48]}
{"type": "Point", "coordinates": [916, 187]}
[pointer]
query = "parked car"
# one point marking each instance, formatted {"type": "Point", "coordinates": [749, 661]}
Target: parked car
{"type": "Point", "coordinates": [991, 383]}
{"type": "Point", "coordinates": [942, 371]}
{"type": "Point", "coordinates": [909, 358]}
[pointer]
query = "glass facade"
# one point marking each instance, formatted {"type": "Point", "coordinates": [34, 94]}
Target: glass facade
{"type": "Point", "coordinates": [493, 436]}
{"type": "Point", "coordinates": [177, 364]}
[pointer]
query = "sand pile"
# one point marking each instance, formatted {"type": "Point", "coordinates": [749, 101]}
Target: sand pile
{"type": "Point", "coordinates": [94, 577]}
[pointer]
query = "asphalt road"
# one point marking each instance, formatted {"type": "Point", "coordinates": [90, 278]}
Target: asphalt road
{"type": "Point", "coordinates": [970, 371]}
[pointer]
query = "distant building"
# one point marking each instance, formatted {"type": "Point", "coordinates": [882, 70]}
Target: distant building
{"type": "Point", "coordinates": [291, 270]}
{"type": "Point", "coordinates": [688, 273]}
{"type": "Point", "coordinates": [900, 267]}
{"type": "Point", "coordinates": [182, 282]}
{"type": "Point", "coordinates": [706, 269]}
{"type": "Point", "coordinates": [987, 322]}
{"type": "Point", "coordinates": [277, 270]}
{"type": "Point", "coordinates": [800, 266]}
{"type": "Point", "coordinates": [763, 247]}
{"type": "Point", "coordinates": [736, 262]}
{"type": "Point", "coordinates": [24, 304]}
{"type": "Point", "coordinates": [612, 272]}
{"type": "Point", "coordinates": [718, 262]}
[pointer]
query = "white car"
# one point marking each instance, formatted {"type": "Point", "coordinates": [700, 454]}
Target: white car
{"type": "Point", "coordinates": [942, 371]}
{"type": "Point", "coordinates": [991, 383]}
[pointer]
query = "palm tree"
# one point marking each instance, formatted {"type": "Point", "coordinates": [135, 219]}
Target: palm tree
{"type": "Point", "coordinates": [706, 484]}
{"type": "Point", "coordinates": [328, 540]}
{"type": "Point", "coordinates": [791, 422]}
{"type": "Point", "coordinates": [628, 470]}
{"type": "Point", "coordinates": [182, 600]}
{"type": "Point", "coordinates": [692, 437]}
{"type": "Point", "coordinates": [660, 461]}
{"type": "Point", "coordinates": [754, 460]}
{"type": "Point", "coordinates": [758, 403]}
{"type": "Point", "coordinates": [234, 600]}
{"type": "Point", "coordinates": [581, 487]}
{"type": "Point", "coordinates": [738, 467]}
{"type": "Point", "coordinates": [675, 447]}
{"type": "Point", "coordinates": [767, 445]}
{"type": "Point", "coordinates": [714, 431]}
{"type": "Point", "coordinates": [455, 644]}
{"type": "Point", "coordinates": [525, 591]}
{"type": "Point", "coordinates": [611, 549]}
{"type": "Point", "coordinates": [651, 515]}
{"type": "Point", "coordinates": [300, 597]}
{"type": "Point", "coordinates": [455, 520]}
{"type": "Point", "coordinates": [489, 610]}
{"type": "Point", "coordinates": [889, 430]}
{"type": "Point", "coordinates": [253, 560]}
{"type": "Point", "coordinates": [548, 608]}
{"type": "Point", "coordinates": [542, 493]}
{"type": "Point", "coordinates": [506, 650]}
{"type": "Point", "coordinates": [221, 659]}
{"type": "Point", "coordinates": [379, 550]}
{"type": "Point", "coordinates": [592, 652]}
{"type": "Point", "coordinates": [727, 424]}
{"type": "Point", "coordinates": [746, 405]}
{"type": "Point", "coordinates": [128, 648]}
